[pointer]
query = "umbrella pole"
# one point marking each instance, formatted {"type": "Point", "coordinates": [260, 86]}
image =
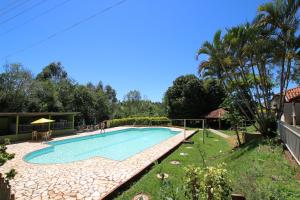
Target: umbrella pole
{"type": "Point", "coordinates": [49, 123]}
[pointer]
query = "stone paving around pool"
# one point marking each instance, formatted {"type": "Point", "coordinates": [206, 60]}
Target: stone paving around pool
{"type": "Point", "coordinates": [93, 178]}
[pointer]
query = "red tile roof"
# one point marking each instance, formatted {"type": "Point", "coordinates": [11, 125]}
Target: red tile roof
{"type": "Point", "coordinates": [292, 94]}
{"type": "Point", "coordinates": [215, 114]}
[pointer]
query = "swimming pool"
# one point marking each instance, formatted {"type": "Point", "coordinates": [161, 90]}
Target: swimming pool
{"type": "Point", "coordinates": [116, 145]}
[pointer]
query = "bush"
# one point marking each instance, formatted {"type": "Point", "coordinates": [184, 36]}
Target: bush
{"type": "Point", "coordinates": [208, 183]}
{"type": "Point", "coordinates": [144, 121]}
{"type": "Point", "coordinates": [4, 156]}
{"type": "Point", "coordinates": [11, 174]}
{"type": "Point", "coordinates": [192, 182]}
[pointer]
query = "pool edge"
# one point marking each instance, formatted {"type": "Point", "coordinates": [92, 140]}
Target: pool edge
{"type": "Point", "coordinates": [114, 192]}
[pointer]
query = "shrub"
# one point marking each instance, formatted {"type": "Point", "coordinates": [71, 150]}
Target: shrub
{"type": "Point", "coordinates": [208, 183]}
{"type": "Point", "coordinates": [145, 121]}
{"type": "Point", "coordinates": [11, 174]}
{"type": "Point", "coordinates": [192, 182]}
{"type": "Point", "coordinates": [168, 191]}
{"type": "Point", "coordinates": [215, 183]}
{"type": "Point", "coordinates": [4, 156]}
{"type": "Point", "coordinates": [7, 141]}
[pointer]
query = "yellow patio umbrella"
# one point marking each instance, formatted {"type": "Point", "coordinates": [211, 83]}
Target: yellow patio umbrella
{"type": "Point", "coordinates": [43, 121]}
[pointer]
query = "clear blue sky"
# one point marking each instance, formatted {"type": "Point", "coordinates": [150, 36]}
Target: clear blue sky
{"type": "Point", "coordinates": [141, 44]}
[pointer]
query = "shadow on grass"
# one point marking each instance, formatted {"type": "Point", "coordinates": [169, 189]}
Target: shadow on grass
{"type": "Point", "coordinates": [208, 135]}
{"type": "Point", "coordinates": [244, 148]}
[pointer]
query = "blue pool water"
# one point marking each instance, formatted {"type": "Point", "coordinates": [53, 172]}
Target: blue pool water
{"type": "Point", "coordinates": [115, 145]}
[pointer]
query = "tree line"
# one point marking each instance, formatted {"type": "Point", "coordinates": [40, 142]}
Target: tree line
{"type": "Point", "coordinates": [52, 90]}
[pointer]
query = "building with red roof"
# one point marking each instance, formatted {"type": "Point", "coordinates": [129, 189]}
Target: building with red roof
{"type": "Point", "coordinates": [291, 111]}
{"type": "Point", "coordinates": [216, 115]}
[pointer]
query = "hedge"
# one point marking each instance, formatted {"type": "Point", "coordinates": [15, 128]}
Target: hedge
{"type": "Point", "coordinates": [145, 121]}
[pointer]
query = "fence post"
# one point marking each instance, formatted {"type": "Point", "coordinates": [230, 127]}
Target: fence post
{"type": "Point", "coordinates": [203, 131]}
{"type": "Point", "coordinates": [184, 124]}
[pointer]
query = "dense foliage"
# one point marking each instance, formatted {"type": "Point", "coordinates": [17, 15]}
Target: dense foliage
{"type": "Point", "coordinates": [53, 91]}
{"type": "Point", "coordinates": [146, 121]}
{"type": "Point", "coordinates": [134, 106]}
{"type": "Point", "coordinates": [190, 97]}
{"type": "Point", "coordinates": [251, 59]}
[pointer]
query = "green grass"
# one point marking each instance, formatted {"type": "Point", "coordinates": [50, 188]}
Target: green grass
{"type": "Point", "coordinates": [228, 132]}
{"type": "Point", "coordinates": [249, 129]}
{"type": "Point", "coordinates": [151, 185]}
{"type": "Point", "coordinates": [260, 171]}
{"type": "Point", "coordinates": [257, 169]}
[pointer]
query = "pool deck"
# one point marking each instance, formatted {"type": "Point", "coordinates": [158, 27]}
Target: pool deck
{"type": "Point", "coordinates": [93, 178]}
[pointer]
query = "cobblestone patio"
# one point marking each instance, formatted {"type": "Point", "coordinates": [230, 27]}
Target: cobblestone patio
{"type": "Point", "coordinates": [87, 179]}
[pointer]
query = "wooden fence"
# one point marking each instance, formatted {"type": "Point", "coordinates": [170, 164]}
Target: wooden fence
{"type": "Point", "coordinates": [5, 189]}
{"type": "Point", "coordinates": [290, 135]}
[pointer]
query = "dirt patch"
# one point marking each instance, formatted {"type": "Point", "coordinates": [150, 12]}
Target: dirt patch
{"type": "Point", "coordinates": [288, 156]}
{"type": "Point", "coordinates": [233, 142]}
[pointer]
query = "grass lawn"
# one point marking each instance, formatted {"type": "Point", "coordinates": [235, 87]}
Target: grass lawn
{"type": "Point", "coordinates": [249, 129]}
{"type": "Point", "coordinates": [257, 169]}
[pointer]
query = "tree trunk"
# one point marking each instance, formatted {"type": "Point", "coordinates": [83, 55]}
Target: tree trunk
{"type": "Point", "coordinates": [237, 135]}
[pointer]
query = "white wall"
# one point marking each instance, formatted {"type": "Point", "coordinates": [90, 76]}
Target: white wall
{"type": "Point", "coordinates": [288, 110]}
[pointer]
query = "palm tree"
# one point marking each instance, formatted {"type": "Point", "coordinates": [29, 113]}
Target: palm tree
{"type": "Point", "coordinates": [220, 65]}
{"type": "Point", "coordinates": [246, 57]}
{"type": "Point", "coordinates": [211, 68]}
{"type": "Point", "coordinates": [282, 17]}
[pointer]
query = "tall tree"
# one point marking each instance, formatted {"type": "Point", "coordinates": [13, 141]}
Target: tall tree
{"type": "Point", "coordinates": [134, 106]}
{"type": "Point", "coordinates": [15, 82]}
{"type": "Point", "coordinates": [282, 17]}
{"type": "Point", "coordinates": [189, 97]}
{"type": "Point", "coordinates": [248, 58]}
{"type": "Point", "coordinates": [54, 72]}
{"type": "Point", "coordinates": [43, 97]}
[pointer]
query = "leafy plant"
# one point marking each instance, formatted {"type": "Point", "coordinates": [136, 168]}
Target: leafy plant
{"type": "Point", "coordinates": [6, 141]}
{"type": "Point", "coordinates": [215, 183]}
{"type": "Point", "coordinates": [192, 182]}
{"type": "Point", "coordinates": [4, 156]}
{"type": "Point", "coordinates": [208, 183]}
{"type": "Point", "coordinates": [11, 174]}
{"type": "Point", "coordinates": [202, 154]}
{"type": "Point", "coordinates": [168, 191]}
